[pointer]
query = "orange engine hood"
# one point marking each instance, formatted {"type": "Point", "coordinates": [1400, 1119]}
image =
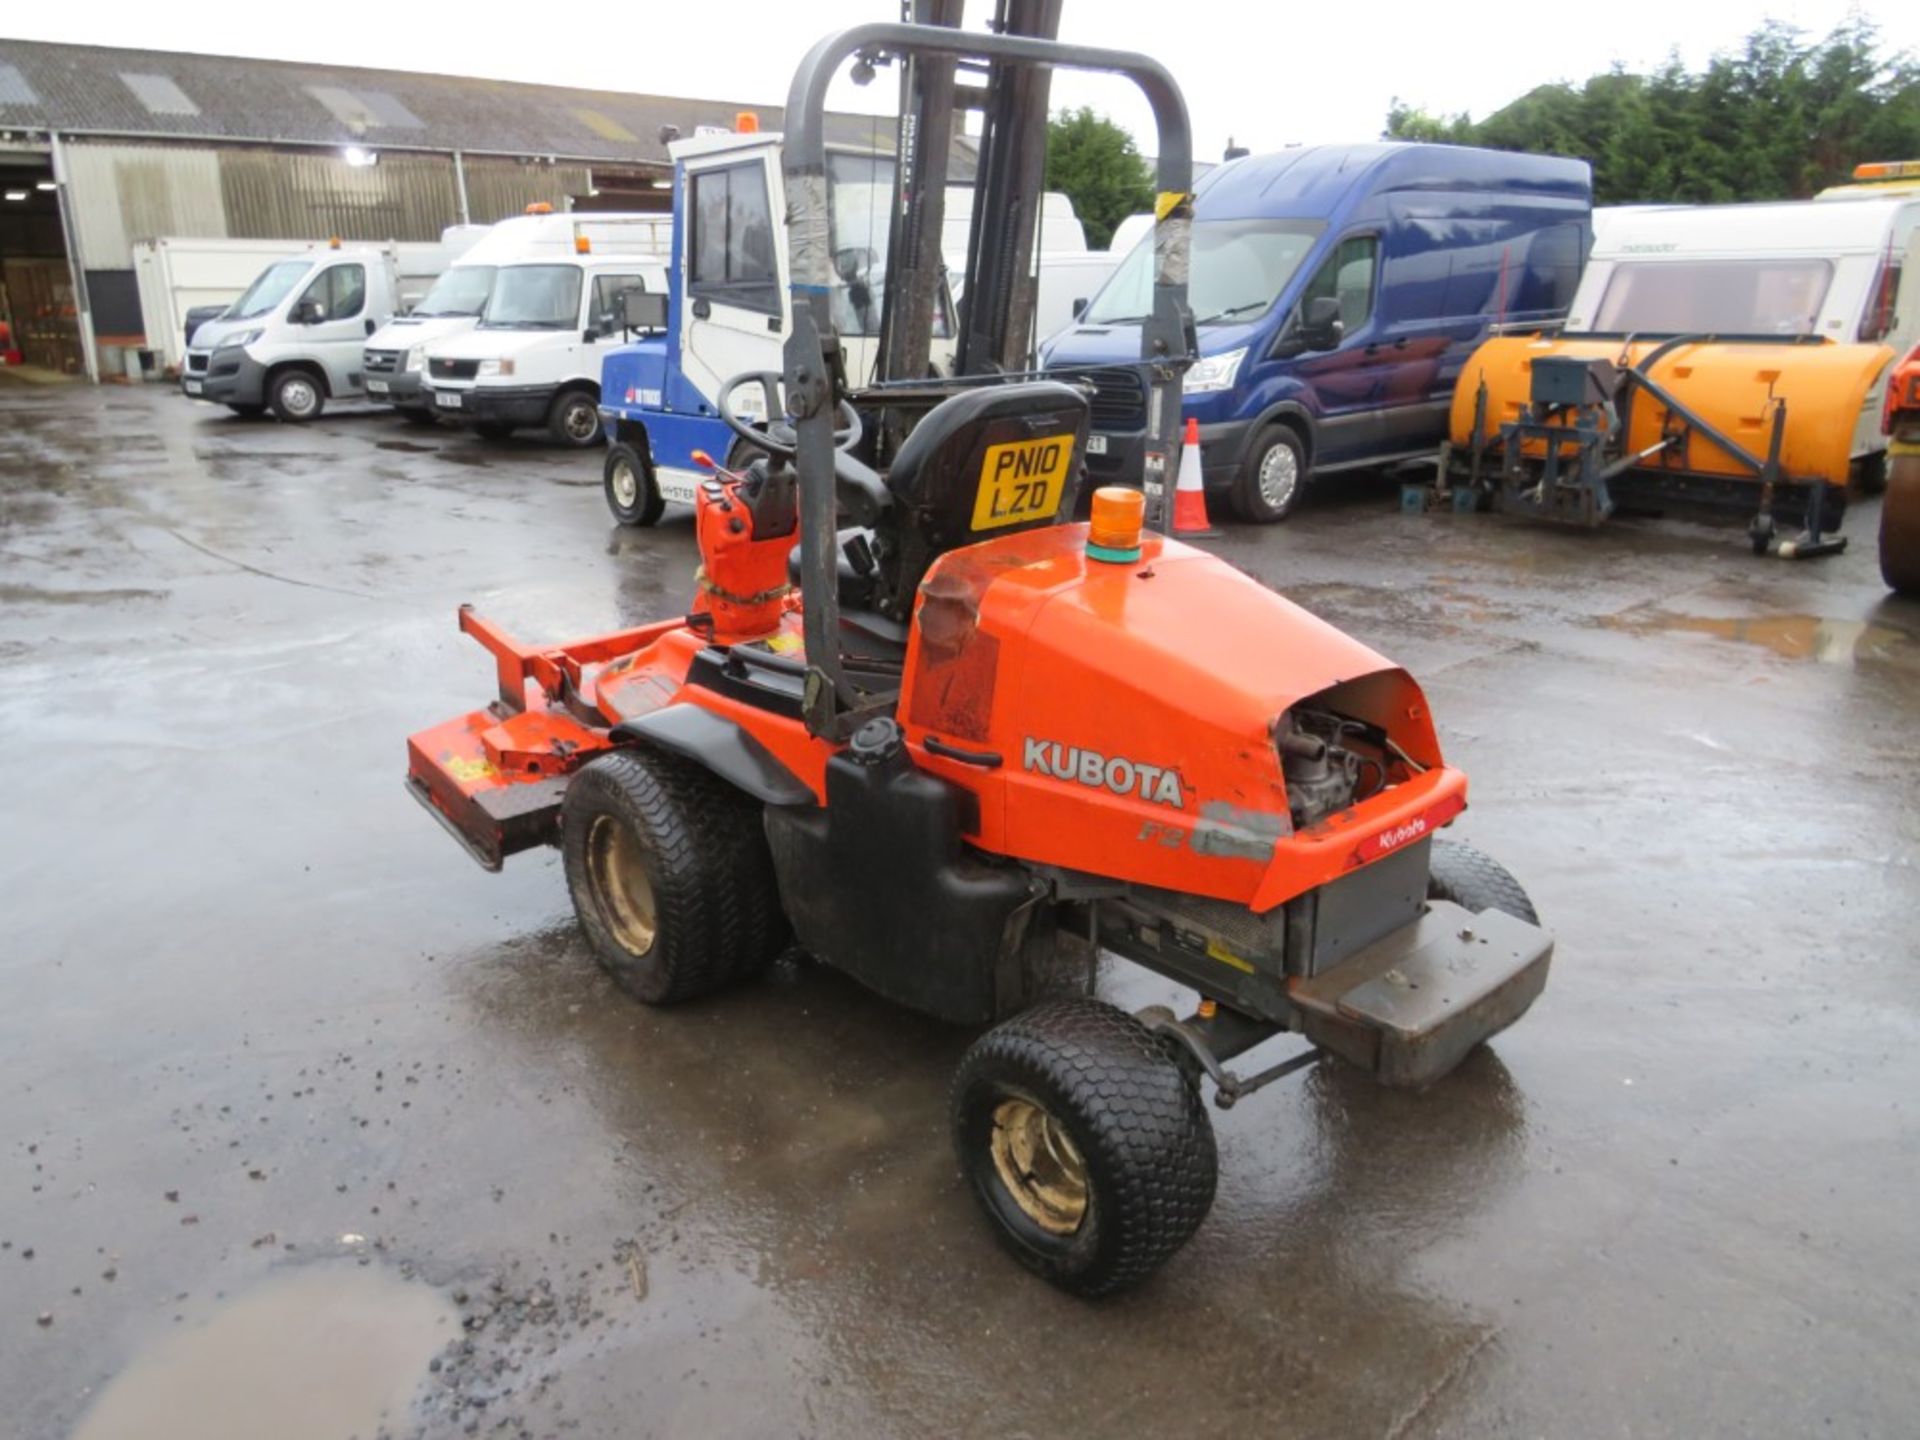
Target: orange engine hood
{"type": "Point", "coordinates": [1132, 704]}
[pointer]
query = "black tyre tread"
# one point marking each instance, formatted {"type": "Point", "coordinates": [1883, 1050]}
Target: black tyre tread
{"type": "Point", "coordinates": [1900, 526]}
{"type": "Point", "coordinates": [652, 503]}
{"type": "Point", "coordinates": [1244, 497]}
{"type": "Point", "coordinates": [718, 906]}
{"type": "Point", "coordinates": [557, 432]}
{"type": "Point", "coordinates": [1476, 881]}
{"type": "Point", "coordinates": [1140, 1122]}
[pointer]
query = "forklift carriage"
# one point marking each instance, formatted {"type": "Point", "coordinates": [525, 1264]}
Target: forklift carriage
{"type": "Point", "coordinates": [983, 742]}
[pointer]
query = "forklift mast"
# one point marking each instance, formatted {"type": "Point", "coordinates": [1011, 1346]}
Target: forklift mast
{"type": "Point", "coordinates": [999, 291]}
{"type": "Point", "coordinates": [1006, 211]}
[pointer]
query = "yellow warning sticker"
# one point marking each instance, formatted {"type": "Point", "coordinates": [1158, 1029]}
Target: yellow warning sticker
{"type": "Point", "coordinates": [1217, 951]}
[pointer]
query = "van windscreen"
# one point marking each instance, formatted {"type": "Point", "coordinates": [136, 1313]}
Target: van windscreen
{"type": "Point", "coordinates": [274, 284]}
{"type": "Point", "coordinates": [1238, 269]}
{"type": "Point", "coordinates": [463, 290]}
{"type": "Point", "coordinates": [534, 297]}
{"type": "Point", "coordinates": [1721, 297]}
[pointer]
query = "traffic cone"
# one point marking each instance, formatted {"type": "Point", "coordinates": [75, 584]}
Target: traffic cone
{"type": "Point", "coordinates": [1189, 495]}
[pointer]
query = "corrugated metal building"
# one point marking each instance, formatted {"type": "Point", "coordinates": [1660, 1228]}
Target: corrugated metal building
{"type": "Point", "coordinates": [101, 147]}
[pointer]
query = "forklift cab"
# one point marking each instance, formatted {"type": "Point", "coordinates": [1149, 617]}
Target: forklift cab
{"type": "Point", "coordinates": [734, 247]}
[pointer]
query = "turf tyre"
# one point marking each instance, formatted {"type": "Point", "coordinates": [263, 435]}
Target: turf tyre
{"type": "Point", "coordinates": [1476, 882]}
{"type": "Point", "coordinates": [1132, 1114]}
{"type": "Point", "coordinates": [700, 844]}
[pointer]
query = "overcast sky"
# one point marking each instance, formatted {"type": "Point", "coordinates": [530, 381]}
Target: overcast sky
{"type": "Point", "coordinates": [1267, 74]}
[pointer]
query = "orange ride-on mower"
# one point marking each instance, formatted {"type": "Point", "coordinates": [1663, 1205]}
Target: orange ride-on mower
{"type": "Point", "coordinates": [981, 743]}
{"type": "Point", "coordinates": [1900, 510]}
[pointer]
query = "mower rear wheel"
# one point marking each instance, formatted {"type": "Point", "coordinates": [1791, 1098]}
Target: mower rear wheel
{"type": "Point", "coordinates": [1476, 882]}
{"type": "Point", "coordinates": [1085, 1142]}
{"type": "Point", "coordinates": [670, 876]}
{"type": "Point", "coordinates": [632, 494]}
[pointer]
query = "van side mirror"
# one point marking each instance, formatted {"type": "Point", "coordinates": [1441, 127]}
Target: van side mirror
{"type": "Point", "coordinates": [645, 310]}
{"type": "Point", "coordinates": [1080, 307]}
{"type": "Point", "coordinates": [310, 312]}
{"type": "Point", "coordinates": [1320, 327]}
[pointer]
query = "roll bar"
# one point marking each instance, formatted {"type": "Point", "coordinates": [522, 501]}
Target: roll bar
{"type": "Point", "coordinates": [831, 706]}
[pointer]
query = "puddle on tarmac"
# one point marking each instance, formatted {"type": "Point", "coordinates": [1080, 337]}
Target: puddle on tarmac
{"type": "Point", "coordinates": [323, 1353]}
{"type": "Point", "coordinates": [1797, 637]}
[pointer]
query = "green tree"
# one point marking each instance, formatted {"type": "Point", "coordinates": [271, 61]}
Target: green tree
{"type": "Point", "coordinates": [1774, 117]}
{"type": "Point", "coordinates": [1095, 163]}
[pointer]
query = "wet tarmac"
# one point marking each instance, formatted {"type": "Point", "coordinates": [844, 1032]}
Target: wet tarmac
{"type": "Point", "coordinates": [306, 1117]}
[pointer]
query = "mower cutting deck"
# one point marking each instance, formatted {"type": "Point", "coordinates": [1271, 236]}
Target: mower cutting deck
{"type": "Point", "coordinates": [979, 744]}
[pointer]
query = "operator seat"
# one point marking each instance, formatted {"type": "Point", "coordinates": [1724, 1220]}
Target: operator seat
{"type": "Point", "coordinates": [935, 481]}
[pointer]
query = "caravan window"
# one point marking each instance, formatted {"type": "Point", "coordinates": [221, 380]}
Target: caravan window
{"type": "Point", "coordinates": [730, 251]}
{"type": "Point", "coordinates": [1720, 297]}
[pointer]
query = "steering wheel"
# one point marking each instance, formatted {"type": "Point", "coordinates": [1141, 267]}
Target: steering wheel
{"type": "Point", "coordinates": [779, 437]}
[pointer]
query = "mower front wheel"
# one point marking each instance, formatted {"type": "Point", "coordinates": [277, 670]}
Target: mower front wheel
{"type": "Point", "coordinates": [670, 875]}
{"type": "Point", "coordinates": [1086, 1143]}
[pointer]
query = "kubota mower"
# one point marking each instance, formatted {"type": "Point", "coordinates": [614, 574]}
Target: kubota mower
{"type": "Point", "coordinates": [979, 740]}
{"type": "Point", "coordinates": [1900, 511]}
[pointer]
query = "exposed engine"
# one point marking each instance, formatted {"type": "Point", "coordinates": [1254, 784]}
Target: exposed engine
{"type": "Point", "coordinates": [1330, 761]}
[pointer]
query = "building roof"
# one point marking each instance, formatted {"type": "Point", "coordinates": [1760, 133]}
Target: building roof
{"type": "Point", "coordinates": [158, 94]}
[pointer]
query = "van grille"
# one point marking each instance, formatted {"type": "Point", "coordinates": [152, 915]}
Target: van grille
{"type": "Point", "coordinates": [1119, 401]}
{"type": "Point", "coordinates": [382, 362]}
{"type": "Point", "coordinates": [453, 369]}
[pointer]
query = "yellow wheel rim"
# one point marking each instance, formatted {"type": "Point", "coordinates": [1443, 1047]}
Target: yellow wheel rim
{"type": "Point", "coordinates": [618, 874]}
{"type": "Point", "coordinates": [1040, 1166]}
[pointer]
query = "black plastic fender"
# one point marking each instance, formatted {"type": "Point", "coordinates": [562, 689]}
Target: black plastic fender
{"type": "Point", "coordinates": [720, 745]}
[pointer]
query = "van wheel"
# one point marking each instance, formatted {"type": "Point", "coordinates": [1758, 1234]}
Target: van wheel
{"type": "Point", "coordinates": [574, 419]}
{"type": "Point", "coordinates": [295, 397]}
{"type": "Point", "coordinates": [1273, 477]}
{"type": "Point", "coordinates": [631, 493]}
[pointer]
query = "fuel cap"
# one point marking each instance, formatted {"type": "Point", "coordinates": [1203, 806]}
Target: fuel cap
{"type": "Point", "coordinates": [877, 740]}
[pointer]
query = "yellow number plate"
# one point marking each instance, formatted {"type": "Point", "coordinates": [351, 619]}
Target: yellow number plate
{"type": "Point", "coordinates": [1022, 480]}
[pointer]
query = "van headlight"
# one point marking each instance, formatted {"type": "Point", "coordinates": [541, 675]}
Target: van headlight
{"type": "Point", "coordinates": [416, 360]}
{"type": "Point", "coordinates": [1213, 372]}
{"type": "Point", "coordinates": [243, 339]}
{"type": "Point", "coordinates": [495, 367]}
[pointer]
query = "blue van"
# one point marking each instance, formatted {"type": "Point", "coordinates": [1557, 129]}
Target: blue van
{"type": "Point", "coordinates": [1337, 290]}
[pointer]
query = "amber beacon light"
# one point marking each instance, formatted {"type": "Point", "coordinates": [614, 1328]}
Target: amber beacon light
{"type": "Point", "coordinates": [1114, 535]}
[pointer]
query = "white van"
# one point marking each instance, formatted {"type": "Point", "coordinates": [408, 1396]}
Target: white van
{"type": "Point", "coordinates": [293, 340]}
{"type": "Point", "coordinates": [396, 355]}
{"type": "Point", "coordinates": [533, 357]}
{"type": "Point", "coordinates": [1830, 268]}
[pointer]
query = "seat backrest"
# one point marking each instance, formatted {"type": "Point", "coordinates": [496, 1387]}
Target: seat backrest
{"type": "Point", "coordinates": [986, 462]}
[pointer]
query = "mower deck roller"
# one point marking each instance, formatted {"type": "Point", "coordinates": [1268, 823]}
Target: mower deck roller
{"type": "Point", "coordinates": [1572, 427]}
{"type": "Point", "coordinates": [979, 746]}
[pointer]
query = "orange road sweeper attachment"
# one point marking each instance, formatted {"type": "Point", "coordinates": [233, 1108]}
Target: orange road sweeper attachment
{"type": "Point", "coordinates": [1574, 427]}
